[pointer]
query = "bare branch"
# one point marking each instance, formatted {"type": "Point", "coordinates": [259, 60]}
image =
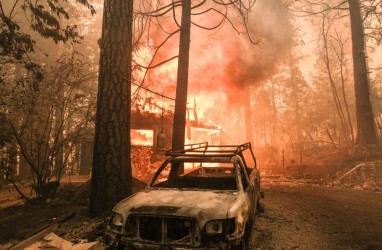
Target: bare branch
{"type": "Point", "coordinates": [152, 60]}
{"type": "Point", "coordinates": [198, 5]}
{"type": "Point", "coordinates": [151, 91]}
{"type": "Point", "coordinates": [157, 65]}
{"type": "Point", "coordinates": [323, 6]}
{"type": "Point", "coordinates": [221, 2]}
{"type": "Point", "coordinates": [214, 27]}
{"type": "Point", "coordinates": [224, 15]}
{"type": "Point", "coordinates": [158, 47]}
{"type": "Point", "coordinates": [161, 11]}
{"type": "Point", "coordinates": [174, 17]}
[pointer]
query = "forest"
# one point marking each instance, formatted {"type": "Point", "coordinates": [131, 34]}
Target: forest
{"type": "Point", "coordinates": [87, 86]}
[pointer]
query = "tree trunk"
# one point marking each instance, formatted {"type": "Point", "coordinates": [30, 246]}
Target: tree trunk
{"type": "Point", "coordinates": [59, 116]}
{"type": "Point", "coordinates": [274, 115]}
{"type": "Point", "coordinates": [178, 131]}
{"type": "Point", "coordinates": [59, 132]}
{"type": "Point", "coordinates": [111, 174]}
{"type": "Point", "coordinates": [248, 114]}
{"type": "Point", "coordinates": [296, 103]}
{"type": "Point", "coordinates": [365, 120]}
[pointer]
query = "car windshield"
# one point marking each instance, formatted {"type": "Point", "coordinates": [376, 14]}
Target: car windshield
{"type": "Point", "coordinates": [197, 175]}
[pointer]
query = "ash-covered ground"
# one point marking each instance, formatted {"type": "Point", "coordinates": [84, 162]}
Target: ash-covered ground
{"type": "Point", "coordinates": [297, 215]}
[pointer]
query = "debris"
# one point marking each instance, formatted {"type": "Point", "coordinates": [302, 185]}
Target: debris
{"type": "Point", "coordinates": [67, 217]}
{"type": "Point", "coordinates": [52, 241]}
{"type": "Point", "coordinates": [27, 242]}
{"type": "Point", "coordinates": [369, 185]}
{"type": "Point", "coordinates": [366, 175]}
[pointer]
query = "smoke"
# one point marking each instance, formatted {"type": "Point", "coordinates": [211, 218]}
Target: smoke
{"type": "Point", "coordinates": [223, 62]}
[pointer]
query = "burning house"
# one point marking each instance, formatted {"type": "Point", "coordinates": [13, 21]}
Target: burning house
{"type": "Point", "coordinates": [148, 122]}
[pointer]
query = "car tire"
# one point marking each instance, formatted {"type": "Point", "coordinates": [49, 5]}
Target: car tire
{"type": "Point", "coordinates": [244, 243]}
{"type": "Point", "coordinates": [259, 206]}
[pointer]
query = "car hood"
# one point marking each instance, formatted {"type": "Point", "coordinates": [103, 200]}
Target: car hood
{"type": "Point", "coordinates": [204, 205]}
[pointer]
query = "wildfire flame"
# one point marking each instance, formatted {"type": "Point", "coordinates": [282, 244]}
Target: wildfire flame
{"type": "Point", "coordinates": [222, 63]}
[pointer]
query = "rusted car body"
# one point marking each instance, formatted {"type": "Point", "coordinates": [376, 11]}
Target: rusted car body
{"type": "Point", "coordinates": [202, 197]}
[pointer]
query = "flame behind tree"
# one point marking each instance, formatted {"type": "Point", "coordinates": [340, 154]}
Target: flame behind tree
{"type": "Point", "coordinates": [221, 64]}
{"type": "Point", "coordinates": [224, 66]}
{"type": "Point", "coordinates": [179, 125]}
{"type": "Point", "coordinates": [188, 10]}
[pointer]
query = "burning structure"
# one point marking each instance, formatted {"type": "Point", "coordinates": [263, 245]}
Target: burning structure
{"type": "Point", "coordinates": [148, 119]}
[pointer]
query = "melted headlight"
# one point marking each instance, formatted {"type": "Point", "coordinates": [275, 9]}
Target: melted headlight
{"type": "Point", "coordinates": [116, 222]}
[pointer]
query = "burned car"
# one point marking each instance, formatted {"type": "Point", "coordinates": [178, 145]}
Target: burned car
{"type": "Point", "coordinates": [201, 197]}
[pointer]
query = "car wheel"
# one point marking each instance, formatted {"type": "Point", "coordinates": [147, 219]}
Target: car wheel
{"type": "Point", "coordinates": [259, 206]}
{"type": "Point", "coordinates": [244, 243]}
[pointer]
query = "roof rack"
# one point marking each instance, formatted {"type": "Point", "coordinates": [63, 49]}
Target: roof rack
{"type": "Point", "coordinates": [200, 149]}
{"type": "Point", "coordinates": [204, 150]}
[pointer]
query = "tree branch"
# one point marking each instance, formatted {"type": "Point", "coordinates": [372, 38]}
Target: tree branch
{"type": "Point", "coordinates": [152, 59]}
{"type": "Point", "coordinates": [159, 64]}
{"type": "Point", "coordinates": [165, 9]}
{"type": "Point", "coordinates": [174, 16]}
{"type": "Point", "coordinates": [324, 7]}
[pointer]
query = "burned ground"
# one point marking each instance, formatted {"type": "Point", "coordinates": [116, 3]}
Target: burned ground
{"type": "Point", "coordinates": [66, 215]}
{"type": "Point", "coordinates": [306, 216]}
{"type": "Point", "coordinates": [298, 213]}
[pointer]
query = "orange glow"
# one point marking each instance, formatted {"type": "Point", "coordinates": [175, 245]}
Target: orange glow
{"type": "Point", "coordinates": [140, 137]}
{"type": "Point", "coordinates": [222, 63]}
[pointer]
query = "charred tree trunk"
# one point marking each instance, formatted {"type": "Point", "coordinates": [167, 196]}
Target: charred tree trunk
{"type": "Point", "coordinates": [111, 175]}
{"type": "Point", "coordinates": [248, 115]}
{"type": "Point", "coordinates": [59, 119]}
{"type": "Point", "coordinates": [178, 131]}
{"type": "Point", "coordinates": [365, 120]}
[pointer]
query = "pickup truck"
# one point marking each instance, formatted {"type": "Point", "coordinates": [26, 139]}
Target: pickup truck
{"type": "Point", "coordinates": [201, 197]}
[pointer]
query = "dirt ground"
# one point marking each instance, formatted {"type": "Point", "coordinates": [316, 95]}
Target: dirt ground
{"type": "Point", "coordinates": [296, 216]}
{"type": "Point", "coordinates": [66, 215]}
{"type": "Point", "coordinates": [19, 221]}
{"type": "Point", "coordinates": [306, 216]}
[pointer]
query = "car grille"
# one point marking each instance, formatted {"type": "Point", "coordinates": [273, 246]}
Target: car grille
{"type": "Point", "coordinates": [167, 230]}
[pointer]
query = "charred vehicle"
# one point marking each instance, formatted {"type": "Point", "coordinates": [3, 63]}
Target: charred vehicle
{"type": "Point", "coordinates": [202, 197]}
